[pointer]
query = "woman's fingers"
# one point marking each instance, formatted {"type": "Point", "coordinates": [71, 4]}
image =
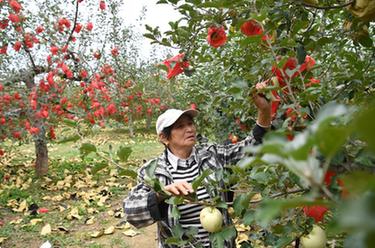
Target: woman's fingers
{"type": "Point", "coordinates": [188, 187]}
{"type": "Point", "coordinates": [182, 189]}
{"type": "Point", "coordinates": [171, 188]}
{"type": "Point", "coordinates": [179, 188]}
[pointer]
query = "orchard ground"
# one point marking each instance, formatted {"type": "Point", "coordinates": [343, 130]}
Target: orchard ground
{"type": "Point", "coordinates": [75, 206]}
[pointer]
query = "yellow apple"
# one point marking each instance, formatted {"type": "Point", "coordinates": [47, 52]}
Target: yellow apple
{"type": "Point", "coordinates": [211, 219]}
{"type": "Point", "coordinates": [315, 239]}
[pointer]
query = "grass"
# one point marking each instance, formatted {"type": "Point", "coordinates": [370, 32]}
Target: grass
{"type": "Point", "coordinates": [70, 184]}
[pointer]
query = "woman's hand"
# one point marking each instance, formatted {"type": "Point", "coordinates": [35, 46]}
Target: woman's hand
{"type": "Point", "coordinates": [263, 105]}
{"type": "Point", "coordinates": [179, 188]}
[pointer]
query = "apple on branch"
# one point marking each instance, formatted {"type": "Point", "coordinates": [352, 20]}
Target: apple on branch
{"type": "Point", "coordinates": [211, 219]}
{"type": "Point", "coordinates": [315, 239]}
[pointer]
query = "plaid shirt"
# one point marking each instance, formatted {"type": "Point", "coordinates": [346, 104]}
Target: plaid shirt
{"type": "Point", "coordinates": [142, 207]}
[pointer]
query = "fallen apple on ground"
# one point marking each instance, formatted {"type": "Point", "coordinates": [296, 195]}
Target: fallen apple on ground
{"type": "Point", "coordinates": [211, 219]}
{"type": "Point", "coordinates": [315, 239]}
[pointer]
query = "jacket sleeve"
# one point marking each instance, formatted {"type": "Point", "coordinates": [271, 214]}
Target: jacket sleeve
{"type": "Point", "coordinates": [232, 153]}
{"type": "Point", "coordinates": [141, 206]}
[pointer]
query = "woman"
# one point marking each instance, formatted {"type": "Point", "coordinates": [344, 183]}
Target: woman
{"type": "Point", "coordinates": [181, 162]}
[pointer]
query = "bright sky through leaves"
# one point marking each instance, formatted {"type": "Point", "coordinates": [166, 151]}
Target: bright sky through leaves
{"type": "Point", "coordinates": [155, 15]}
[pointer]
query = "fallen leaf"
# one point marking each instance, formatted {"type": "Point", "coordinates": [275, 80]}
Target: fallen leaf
{"type": "Point", "coordinates": [2, 239]}
{"type": "Point", "coordinates": [256, 197]}
{"type": "Point", "coordinates": [111, 213]}
{"type": "Point", "coordinates": [242, 237]}
{"type": "Point", "coordinates": [109, 230]}
{"type": "Point", "coordinates": [16, 221]}
{"type": "Point", "coordinates": [22, 207]}
{"type": "Point", "coordinates": [119, 214]}
{"type": "Point", "coordinates": [74, 214]}
{"type": "Point", "coordinates": [90, 220]}
{"type": "Point", "coordinates": [57, 198]}
{"type": "Point", "coordinates": [124, 225]}
{"type": "Point", "coordinates": [130, 233]}
{"type": "Point", "coordinates": [92, 210]}
{"type": "Point", "coordinates": [46, 230]}
{"type": "Point", "coordinates": [129, 186]}
{"type": "Point", "coordinates": [46, 198]}
{"type": "Point", "coordinates": [242, 228]}
{"type": "Point", "coordinates": [97, 234]}
{"type": "Point", "coordinates": [12, 203]}
{"type": "Point", "coordinates": [113, 172]}
{"type": "Point", "coordinates": [46, 244]}
{"type": "Point", "coordinates": [33, 222]}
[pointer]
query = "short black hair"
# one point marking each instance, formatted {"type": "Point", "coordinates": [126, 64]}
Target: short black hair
{"type": "Point", "coordinates": [167, 131]}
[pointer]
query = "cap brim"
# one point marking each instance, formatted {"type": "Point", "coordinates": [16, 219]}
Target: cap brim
{"type": "Point", "coordinates": [191, 112]}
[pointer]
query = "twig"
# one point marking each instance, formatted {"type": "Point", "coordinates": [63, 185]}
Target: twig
{"type": "Point", "coordinates": [251, 202]}
{"type": "Point", "coordinates": [115, 163]}
{"type": "Point", "coordinates": [281, 194]}
{"type": "Point", "coordinates": [328, 7]}
{"type": "Point", "coordinates": [74, 25]}
{"type": "Point", "coordinates": [311, 23]}
{"type": "Point", "coordinates": [35, 68]}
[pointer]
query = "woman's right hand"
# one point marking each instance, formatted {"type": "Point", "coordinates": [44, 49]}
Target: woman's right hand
{"type": "Point", "coordinates": [179, 188]}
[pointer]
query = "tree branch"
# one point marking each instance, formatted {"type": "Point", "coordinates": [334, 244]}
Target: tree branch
{"type": "Point", "coordinates": [35, 68]}
{"type": "Point", "coordinates": [328, 7]}
{"type": "Point", "coordinates": [282, 194]}
{"type": "Point", "coordinates": [74, 24]}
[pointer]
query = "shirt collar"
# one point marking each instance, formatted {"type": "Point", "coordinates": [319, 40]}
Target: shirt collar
{"type": "Point", "coordinates": [175, 161]}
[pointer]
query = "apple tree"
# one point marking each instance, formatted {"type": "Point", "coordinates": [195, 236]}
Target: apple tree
{"type": "Point", "coordinates": [67, 63]}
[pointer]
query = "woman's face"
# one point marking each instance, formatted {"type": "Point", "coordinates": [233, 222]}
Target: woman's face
{"type": "Point", "coordinates": [183, 134]}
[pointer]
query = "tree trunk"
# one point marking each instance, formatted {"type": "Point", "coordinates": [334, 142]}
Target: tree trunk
{"type": "Point", "coordinates": [148, 121]}
{"type": "Point", "coordinates": [130, 125]}
{"type": "Point", "coordinates": [41, 152]}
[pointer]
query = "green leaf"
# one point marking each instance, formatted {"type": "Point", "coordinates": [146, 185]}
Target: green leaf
{"type": "Point", "coordinates": [155, 184]}
{"type": "Point", "coordinates": [329, 111]}
{"type": "Point", "coordinates": [123, 153]}
{"type": "Point", "coordinates": [241, 203]}
{"type": "Point", "coordinates": [249, 217]}
{"type": "Point", "coordinates": [284, 241]}
{"type": "Point", "coordinates": [364, 125]}
{"type": "Point", "coordinates": [359, 181]}
{"type": "Point", "coordinates": [150, 36]}
{"type": "Point", "coordinates": [330, 137]}
{"type": "Point", "coordinates": [98, 167]}
{"type": "Point", "coordinates": [70, 123]}
{"type": "Point", "coordinates": [358, 214]}
{"type": "Point", "coordinates": [270, 209]}
{"type": "Point", "coordinates": [366, 41]}
{"type": "Point", "coordinates": [87, 148]}
{"type": "Point", "coordinates": [69, 139]}
{"type": "Point", "coordinates": [301, 54]}
{"type": "Point", "coordinates": [175, 212]}
{"type": "Point", "coordinates": [150, 169]}
{"type": "Point", "coordinates": [129, 173]}
{"type": "Point", "coordinates": [198, 181]}
{"type": "Point", "coordinates": [217, 239]}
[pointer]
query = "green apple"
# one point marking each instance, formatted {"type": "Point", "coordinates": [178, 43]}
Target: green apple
{"type": "Point", "coordinates": [315, 239]}
{"type": "Point", "coordinates": [211, 219]}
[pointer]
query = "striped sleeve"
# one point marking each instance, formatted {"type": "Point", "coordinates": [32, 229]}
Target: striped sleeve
{"type": "Point", "coordinates": [232, 153]}
{"type": "Point", "coordinates": [141, 205]}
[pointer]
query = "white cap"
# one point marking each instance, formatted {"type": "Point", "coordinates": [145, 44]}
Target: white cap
{"type": "Point", "coordinates": [169, 117]}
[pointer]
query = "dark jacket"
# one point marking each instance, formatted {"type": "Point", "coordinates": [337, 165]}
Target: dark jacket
{"type": "Point", "coordinates": [142, 207]}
